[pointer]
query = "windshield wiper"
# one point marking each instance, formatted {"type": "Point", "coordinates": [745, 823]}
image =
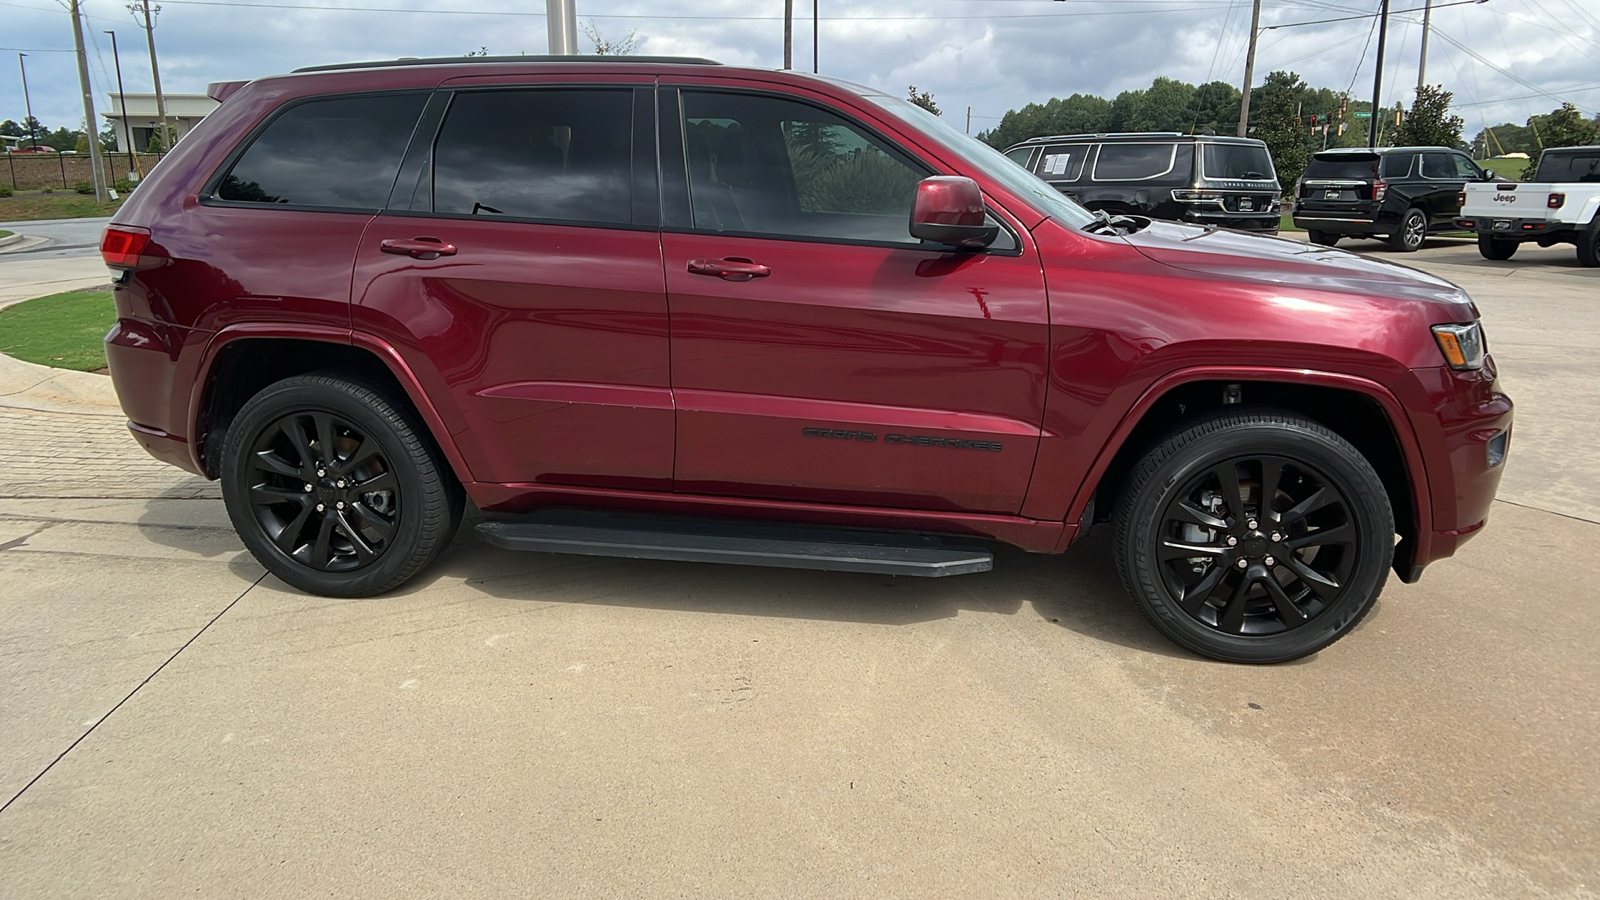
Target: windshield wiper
{"type": "Point", "coordinates": [1109, 224]}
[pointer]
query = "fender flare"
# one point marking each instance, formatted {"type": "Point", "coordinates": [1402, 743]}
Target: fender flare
{"type": "Point", "coordinates": [380, 349]}
{"type": "Point", "coordinates": [1393, 410]}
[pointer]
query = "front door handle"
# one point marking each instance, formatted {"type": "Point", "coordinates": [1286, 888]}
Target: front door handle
{"type": "Point", "coordinates": [418, 248]}
{"type": "Point", "coordinates": [731, 268]}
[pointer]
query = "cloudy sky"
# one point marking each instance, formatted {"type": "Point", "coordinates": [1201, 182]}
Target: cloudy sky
{"type": "Point", "coordinates": [1504, 59]}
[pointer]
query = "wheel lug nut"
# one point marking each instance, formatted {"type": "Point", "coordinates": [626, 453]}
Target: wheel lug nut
{"type": "Point", "coordinates": [1232, 541]}
{"type": "Point", "coordinates": [1276, 537]}
{"type": "Point", "coordinates": [320, 507]}
{"type": "Point", "coordinates": [339, 483]}
{"type": "Point", "coordinates": [1244, 563]}
{"type": "Point", "coordinates": [1250, 524]}
{"type": "Point", "coordinates": [1269, 560]}
{"type": "Point", "coordinates": [310, 488]}
{"type": "Point", "coordinates": [322, 473]}
{"type": "Point", "coordinates": [340, 504]}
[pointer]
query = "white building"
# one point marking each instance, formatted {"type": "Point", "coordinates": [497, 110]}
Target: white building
{"type": "Point", "coordinates": [184, 112]}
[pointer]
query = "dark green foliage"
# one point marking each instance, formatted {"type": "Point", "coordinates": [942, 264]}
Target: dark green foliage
{"type": "Point", "coordinates": [1429, 123]}
{"type": "Point", "coordinates": [923, 99]}
{"type": "Point", "coordinates": [1278, 123]}
{"type": "Point", "coordinates": [1564, 127]}
{"type": "Point", "coordinates": [83, 187]}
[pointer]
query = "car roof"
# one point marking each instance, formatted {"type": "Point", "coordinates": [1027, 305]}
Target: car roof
{"type": "Point", "coordinates": [1337, 152]}
{"type": "Point", "coordinates": [1133, 136]}
{"type": "Point", "coordinates": [509, 60]}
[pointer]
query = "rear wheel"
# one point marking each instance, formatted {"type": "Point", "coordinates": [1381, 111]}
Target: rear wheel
{"type": "Point", "coordinates": [1493, 248]}
{"type": "Point", "coordinates": [1325, 238]}
{"type": "Point", "coordinates": [1254, 537]}
{"type": "Point", "coordinates": [1589, 244]}
{"type": "Point", "coordinates": [334, 490]}
{"type": "Point", "coordinates": [1413, 230]}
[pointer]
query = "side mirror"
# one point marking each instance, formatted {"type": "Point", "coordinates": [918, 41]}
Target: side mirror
{"type": "Point", "coordinates": [1488, 174]}
{"type": "Point", "coordinates": [949, 210]}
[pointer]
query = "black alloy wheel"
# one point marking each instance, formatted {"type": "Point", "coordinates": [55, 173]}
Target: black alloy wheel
{"type": "Point", "coordinates": [333, 488]}
{"type": "Point", "coordinates": [1254, 536]}
{"type": "Point", "coordinates": [323, 491]}
{"type": "Point", "coordinates": [1257, 545]}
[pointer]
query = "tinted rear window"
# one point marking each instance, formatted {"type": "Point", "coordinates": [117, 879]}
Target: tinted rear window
{"type": "Point", "coordinates": [1246, 161]}
{"type": "Point", "coordinates": [341, 153]}
{"type": "Point", "coordinates": [560, 154]}
{"type": "Point", "coordinates": [1396, 165]}
{"type": "Point", "coordinates": [1342, 167]}
{"type": "Point", "coordinates": [1576, 167]}
{"type": "Point", "coordinates": [1139, 162]}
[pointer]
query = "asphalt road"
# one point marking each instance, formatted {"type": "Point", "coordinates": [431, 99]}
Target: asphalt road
{"type": "Point", "coordinates": [54, 239]}
{"type": "Point", "coordinates": [524, 724]}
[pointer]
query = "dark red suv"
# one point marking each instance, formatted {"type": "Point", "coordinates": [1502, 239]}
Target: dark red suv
{"type": "Point", "coordinates": [667, 309]}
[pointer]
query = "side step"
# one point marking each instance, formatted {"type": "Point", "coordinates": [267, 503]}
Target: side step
{"type": "Point", "coordinates": [592, 533]}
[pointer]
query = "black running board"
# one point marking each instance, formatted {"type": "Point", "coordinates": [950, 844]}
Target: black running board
{"type": "Point", "coordinates": [588, 533]}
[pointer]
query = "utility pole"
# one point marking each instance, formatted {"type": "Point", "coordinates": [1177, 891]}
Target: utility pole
{"type": "Point", "coordinates": [1377, 76]}
{"type": "Point", "coordinates": [969, 120]}
{"type": "Point", "coordinates": [127, 134]}
{"type": "Point", "coordinates": [143, 7]}
{"type": "Point", "coordinates": [788, 34]}
{"type": "Point", "coordinates": [1422, 62]}
{"type": "Point", "coordinates": [88, 106]}
{"type": "Point", "coordinates": [561, 24]}
{"type": "Point", "coordinates": [1250, 66]}
{"type": "Point", "coordinates": [33, 136]}
{"type": "Point", "coordinates": [814, 37]}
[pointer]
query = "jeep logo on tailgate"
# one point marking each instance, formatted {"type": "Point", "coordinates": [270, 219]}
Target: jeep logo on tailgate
{"type": "Point", "coordinates": [1505, 198]}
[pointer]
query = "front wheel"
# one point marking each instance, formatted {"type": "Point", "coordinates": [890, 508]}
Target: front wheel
{"type": "Point", "coordinates": [1254, 537]}
{"type": "Point", "coordinates": [1589, 244]}
{"type": "Point", "coordinates": [1494, 248]}
{"type": "Point", "coordinates": [334, 490]}
{"type": "Point", "coordinates": [1412, 232]}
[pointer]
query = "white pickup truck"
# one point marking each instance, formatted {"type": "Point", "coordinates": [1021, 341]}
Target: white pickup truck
{"type": "Point", "coordinates": [1560, 205]}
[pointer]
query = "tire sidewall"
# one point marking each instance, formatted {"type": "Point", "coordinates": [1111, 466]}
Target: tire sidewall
{"type": "Point", "coordinates": [1402, 236]}
{"type": "Point", "coordinates": [1331, 458]}
{"type": "Point", "coordinates": [284, 399]}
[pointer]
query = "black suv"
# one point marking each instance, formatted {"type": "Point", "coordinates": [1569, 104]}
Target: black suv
{"type": "Point", "coordinates": [1210, 180]}
{"type": "Point", "coordinates": [1398, 193]}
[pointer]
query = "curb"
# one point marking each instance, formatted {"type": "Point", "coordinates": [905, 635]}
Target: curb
{"type": "Point", "coordinates": [26, 385]}
{"type": "Point", "coordinates": [11, 238]}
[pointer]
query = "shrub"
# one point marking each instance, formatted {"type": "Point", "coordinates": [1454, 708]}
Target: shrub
{"type": "Point", "coordinates": [123, 186]}
{"type": "Point", "coordinates": [83, 187]}
{"type": "Point", "coordinates": [47, 190]}
{"type": "Point", "coordinates": [5, 190]}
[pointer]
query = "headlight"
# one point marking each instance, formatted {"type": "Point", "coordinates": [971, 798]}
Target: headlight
{"type": "Point", "coordinates": [1462, 345]}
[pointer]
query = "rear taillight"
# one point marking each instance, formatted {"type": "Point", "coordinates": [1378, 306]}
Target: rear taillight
{"type": "Point", "coordinates": [1379, 188]}
{"type": "Point", "coordinates": [1461, 198]}
{"type": "Point", "coordinates": [123, 245]}
{"type": "Point", "coordinates": [1556, 200]}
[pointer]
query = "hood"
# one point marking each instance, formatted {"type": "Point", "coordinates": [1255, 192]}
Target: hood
{"type": "Point", "coordinates": [1295, 264]}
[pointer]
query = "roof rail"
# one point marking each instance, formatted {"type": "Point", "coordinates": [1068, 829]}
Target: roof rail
{"type": "Point", "coordinates": [479, 60]}
{"type": "Point", "coordinates": [1112, 134]}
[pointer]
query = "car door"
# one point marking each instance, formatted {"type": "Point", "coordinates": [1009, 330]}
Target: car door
{"type": "Point", "coordinates": [819, 352]}
{"type": "Point", "coordinates": [518, 272]}
{"type": "Point", "coordinates": [1466, 170]}
{"type": "Point", "coordinates": [1439, 172]}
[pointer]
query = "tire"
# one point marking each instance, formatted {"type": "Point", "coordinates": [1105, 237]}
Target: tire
{"type": "Point", "coordinates": [1589, 244]}
{"type": "Point", "coordinates": [1411, 233]}
{"type": "Point", "coordinates": [324, 440]}
{"type": "Point", "coordinates": [1323, 238]}
{"type": "Point", "coordinates": [1326, 541]}
{"type": "Point", "coordinates": [1492, 248]}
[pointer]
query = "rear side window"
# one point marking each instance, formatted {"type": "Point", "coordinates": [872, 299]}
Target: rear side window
{"type": "Point", "coordinates": [559, 154]}
{"type": "Point", "coordinates": [1064, 162]}
{"type": "Point", "coordinates": [337, 154]}
{"type": "Point", "coordinates": [1135, 162]}
{"type": "Point", "coordinates": [1342, 167]}
{"type": "Point", "coordinates": [1397, 165]}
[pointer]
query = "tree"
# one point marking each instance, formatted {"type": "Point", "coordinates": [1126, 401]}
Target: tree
{"type": "Point", "coordinates": [1429, 123]}
{"type": "Point", "coordinates": [61, 139]}
{"type": "Point", "coordinates": [924, 100]}
{"type": "Point", "coordinates": [1077, 114]}
{"type": "Point", "coordinates": [156, 145]}
{"type": "Point", "coordinates": [108, 137]}
{"type": "Point", "coordinates": [10, 128]}
{"type": "Point", "coordinates": [1214, 107]}
{"type": "Point", "coordinates": [481, 51]}
{"type": "Point", "coordinates": [1276, 114]}
{"type": "Point", "coordinates": [1564, 127]}
{"type": "Point", "coordinates": [604, 46]}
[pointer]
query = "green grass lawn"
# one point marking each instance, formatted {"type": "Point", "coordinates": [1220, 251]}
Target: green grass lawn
{"type": "Point", "coordinates": [29, 205]}
{"type": "Point", "coordinates": [61, 330]}
{"type": "Point", "coordinates": [4, 233]}
{"type": "Point", "coordinates": [1286, 223]}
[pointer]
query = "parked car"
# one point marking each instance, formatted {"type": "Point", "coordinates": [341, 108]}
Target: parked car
{"type": "Point", "coordinates": [1559, 205]}
{"type": "Point", "coordinates": [1401, 194]}
{"type": "Point", "coordinates": [25, 150]}
{"type": "Point", "coordinates": [668, 309]}
{"type": "Point", "coordinates": [1207, 179]}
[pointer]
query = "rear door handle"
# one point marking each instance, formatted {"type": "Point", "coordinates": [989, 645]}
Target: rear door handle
{"type": "Point", "coordinates": [418, 248]}
{"type": "Point", "coordinates": [731, 268]}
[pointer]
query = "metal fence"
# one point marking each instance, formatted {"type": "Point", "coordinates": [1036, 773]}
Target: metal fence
{"type": "Point", "coordinates": [36, 171]}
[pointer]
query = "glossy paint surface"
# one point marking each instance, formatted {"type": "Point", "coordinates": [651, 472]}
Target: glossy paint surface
{"type": "Point", "coordinates": [566, 364]}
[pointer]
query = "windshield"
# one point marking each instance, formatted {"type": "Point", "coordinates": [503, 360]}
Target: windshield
{"type": "Point", "coordinates": [991, 162]}
{"type": "Point", "coordinates": [1236, 161]}
{"type": "Point", "coordinates": [1569, 167]}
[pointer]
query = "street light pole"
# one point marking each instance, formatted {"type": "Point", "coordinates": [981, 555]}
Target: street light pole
{"type": "Point", "coordinates": [1377, 75]}
{"type": "Point", "coordinates": [813, 37]}
{"type": "Point", "coordinates": [155, 70]}
{"type": "Point", "coordinates": [33, 135]}
{"type": "Point", "coordinates": [88, 105]}
{"type": "Point", "coordinates": [1422, 62]}
{"type": "Point", "coordinates": [122, 98]}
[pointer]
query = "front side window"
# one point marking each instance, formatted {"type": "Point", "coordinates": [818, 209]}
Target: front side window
{"type": "Point", "coordinates": [1134, 162]}
{"type": "Point", "coordinates": [1465, 168]}
{"type": "Point", "coordinates": [767, 165]}
{"type": "Point", "coordinates": [1437, 165]}
{"type": "Point", "coordinates": [338, 154]}
{"type": "Point", "coordinates": [559, 154]}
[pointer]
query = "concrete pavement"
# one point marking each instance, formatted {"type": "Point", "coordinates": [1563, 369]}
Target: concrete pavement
{"type": "Point", "coordinates": [538, 724]}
